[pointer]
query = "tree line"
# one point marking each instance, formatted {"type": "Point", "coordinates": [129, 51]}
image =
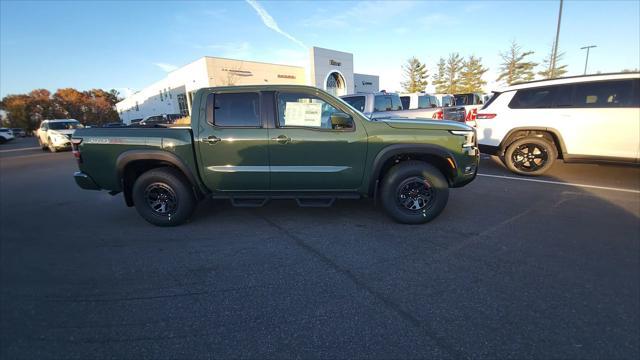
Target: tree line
{"type": "Point", "coordinates": [92, 107]}
{"type": "Point", "coordinates": [457, 74]}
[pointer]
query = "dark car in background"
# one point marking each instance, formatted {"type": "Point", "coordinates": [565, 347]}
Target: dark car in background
{"type": "Point", "coordinates": [151, 121]}
{"type": "Point", "coordinates": [18, 132]}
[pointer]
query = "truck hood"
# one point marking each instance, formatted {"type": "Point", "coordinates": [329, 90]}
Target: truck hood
{"type": "Point", "coordinates": [424, 124]}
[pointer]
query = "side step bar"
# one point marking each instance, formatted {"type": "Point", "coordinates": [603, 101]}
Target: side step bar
{"type": "Point", "coordinates": [302, 199]}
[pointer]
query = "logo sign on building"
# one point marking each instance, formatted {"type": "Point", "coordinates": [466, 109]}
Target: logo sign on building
{"type": "Point", "coordinates": [367, 83]}
{"type": "Point", "coordinates": [334, 63]}
{"type": "Point", "coordinates": [284, 76]}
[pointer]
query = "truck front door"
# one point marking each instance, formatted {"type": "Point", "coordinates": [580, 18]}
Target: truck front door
{"type": "Point", "coordinates": [307, 151]}
{"type": "Point", "coordinates": [232, 143]}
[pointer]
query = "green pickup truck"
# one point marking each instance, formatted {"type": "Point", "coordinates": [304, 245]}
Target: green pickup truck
{"type": "Point", "coordinates": [251, 144]}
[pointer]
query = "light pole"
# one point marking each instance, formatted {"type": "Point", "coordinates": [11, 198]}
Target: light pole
{"type": "Point", "coordinates": [587, 60]}
{"type": "Point", "coordinates": [555, 43]}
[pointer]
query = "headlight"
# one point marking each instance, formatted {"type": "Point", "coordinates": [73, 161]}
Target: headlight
{"type": "Point", "coordinates": [469, 137]}
{"type": "Point", "coordinates": [59, 138]}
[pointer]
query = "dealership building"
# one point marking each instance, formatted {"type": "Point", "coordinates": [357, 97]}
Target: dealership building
{"type": "Point", "coordinates": [329, 70]}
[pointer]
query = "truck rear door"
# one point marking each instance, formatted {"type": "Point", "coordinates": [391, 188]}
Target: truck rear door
{"type": "Point", "coordinates": [232, 142]}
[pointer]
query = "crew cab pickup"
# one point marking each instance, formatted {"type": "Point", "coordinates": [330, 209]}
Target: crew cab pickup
{"type": "Point", "coordinates": [251, 144]}
{"type": "Point", "coordinates": [465, 108]}
{"type": "Point", "coordinates": [384, 105]}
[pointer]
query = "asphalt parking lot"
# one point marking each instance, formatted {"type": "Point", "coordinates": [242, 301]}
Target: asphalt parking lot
{"type": "Point", "coordinates": [511, 269]}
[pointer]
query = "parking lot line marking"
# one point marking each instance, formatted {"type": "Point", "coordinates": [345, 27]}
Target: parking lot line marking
{"type": "Point", "coordinates": [563, 183]}
{"type": "Point", "coordinates": [22, 149]}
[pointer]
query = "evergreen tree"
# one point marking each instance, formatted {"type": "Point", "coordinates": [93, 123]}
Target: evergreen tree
{"type": "Point", "coordinates": [471, 75]}
{"type": "Point", "coordinates": [439, 78]}
{"type": "Point", "coordinates": [549, 71]}
{"type": "Point", "coordinates": [416, 76]}
{"type": "Point", "coordinates": [514, 68]}
{"type": "Point", "coordinates": [452, 73]}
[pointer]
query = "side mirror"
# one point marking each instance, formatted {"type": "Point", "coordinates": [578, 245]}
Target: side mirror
{"type": "Point", "coordinates": [340, 120]}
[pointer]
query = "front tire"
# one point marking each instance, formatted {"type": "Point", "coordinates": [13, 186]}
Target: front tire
{"type": "Point", "coordinates": [530, 156]}
{"type": "Point", "coordinates": [163, 197]}
{"type": "Point", "coordinates": [51, 147]}
{"type": "Point", "coordinates": [414, 192]}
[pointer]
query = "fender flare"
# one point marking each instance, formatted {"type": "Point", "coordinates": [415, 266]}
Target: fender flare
{"type": "Point", "coordinates": [562, 147]}
{"type": "Point", "coordinates": [130, 156]}
{"type": "Point", "coordinates": [392, 150]}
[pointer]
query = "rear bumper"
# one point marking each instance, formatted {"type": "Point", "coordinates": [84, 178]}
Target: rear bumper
{"type": "Point", "coordinates": [85, 181]}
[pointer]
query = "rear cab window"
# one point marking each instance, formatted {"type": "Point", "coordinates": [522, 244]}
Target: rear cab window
{"type": "Point", "coordinates": [357, 102]}
{"type": "Point", "coordinates": [382, 103]}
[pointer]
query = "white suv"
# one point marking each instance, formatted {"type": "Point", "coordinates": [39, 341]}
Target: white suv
{"type": "Point", "coordinates": [56, 134]}
{"type": "Point", "coordinates": [582, 118]}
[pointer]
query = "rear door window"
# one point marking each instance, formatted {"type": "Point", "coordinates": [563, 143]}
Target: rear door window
{"type": "Point", "coordinates": [604, 94]}
{"type": "Point", "coordinates": [236, 109]}
{"type": "Point", "coordinates": [536, 98]}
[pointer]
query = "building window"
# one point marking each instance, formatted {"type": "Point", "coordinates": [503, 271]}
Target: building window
{"type": "Point", "coordinates": [182, 104]}
{"type": "Point", "coordinates": [161, 98]}
{"type": "Point", "coordinates": [137, 108]}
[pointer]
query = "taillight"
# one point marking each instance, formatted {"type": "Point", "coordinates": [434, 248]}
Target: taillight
{"type": "Point", "coordinates": [485, 116]}
{"type": "Point", "coordinates": [437, 115]}
{"type": "Point", "coordinates": [471, 115]}
{"type": "Point", "coordinates": [75, 142]}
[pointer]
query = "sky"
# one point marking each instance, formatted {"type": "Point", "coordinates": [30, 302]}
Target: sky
{"type": "Point", "coordinates": [128, 45]}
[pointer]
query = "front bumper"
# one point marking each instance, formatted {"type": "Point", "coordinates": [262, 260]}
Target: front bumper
{"type": "Point", "coordinates": [85, 181]}
{"type": "Point", "coordinates": [467, 170]}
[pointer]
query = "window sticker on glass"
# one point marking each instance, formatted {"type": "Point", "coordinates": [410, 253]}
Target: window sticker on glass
{"type": "Point", "coordinates": [303, 114]}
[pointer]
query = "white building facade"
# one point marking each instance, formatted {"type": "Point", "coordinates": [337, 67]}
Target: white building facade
{"type": "Point", "coordinates": [329, 70]}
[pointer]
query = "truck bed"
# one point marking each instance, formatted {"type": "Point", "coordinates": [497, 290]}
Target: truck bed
{"type": "Point", "coordinates": [101, 149]}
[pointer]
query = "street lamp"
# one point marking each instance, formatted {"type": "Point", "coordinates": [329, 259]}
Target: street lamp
{"type": "Point", "coordinates": [587, 60]}
{"type": "Point", "coordinates": [555, 43]}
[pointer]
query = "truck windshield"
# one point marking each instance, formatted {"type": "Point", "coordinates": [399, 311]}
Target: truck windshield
{"type": "Point", "coordinates": [64, 125]}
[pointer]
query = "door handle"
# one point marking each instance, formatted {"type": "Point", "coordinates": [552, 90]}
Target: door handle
{"type": "Point", "coordinates": [212, 139]}
{"type": "Point", "coordinates": [282, 139]}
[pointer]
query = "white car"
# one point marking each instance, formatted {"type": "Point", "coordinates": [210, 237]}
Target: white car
{"type": "Point", "coordinates": [56, 134]}
{"type": "Point", "coordinates": [581, 118]}
{"type": "Point", "coordinates": [5, 135]}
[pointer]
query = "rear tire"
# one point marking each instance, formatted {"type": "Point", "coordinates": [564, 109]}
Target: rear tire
{"type": "Point", "coordinates": [530, 156]}
{"type": "Point", "coordinates": [414, 192]}
{"type": "Point", "coordinates": [163, 197]}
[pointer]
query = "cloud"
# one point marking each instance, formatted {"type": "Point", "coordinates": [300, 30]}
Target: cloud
{"type": "Point", "coordinates": [271, 23]}
{"type": "Point", "coordinates": [166, 67]}
{"type": "Point", "coordinates": [229, 50]}
{"type": "Point", "coordinates": [364, 12]}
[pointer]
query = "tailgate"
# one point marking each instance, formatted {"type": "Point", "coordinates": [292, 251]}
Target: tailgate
{"type": "Point", "coordinates": [454, 113]}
